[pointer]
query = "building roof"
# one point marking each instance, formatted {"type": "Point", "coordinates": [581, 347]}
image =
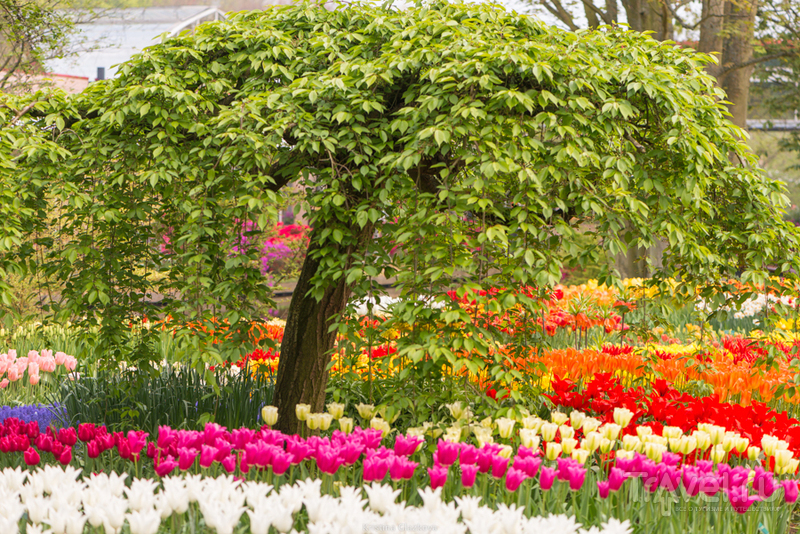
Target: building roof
{"type": "Point", "coordinates": [115, 35]}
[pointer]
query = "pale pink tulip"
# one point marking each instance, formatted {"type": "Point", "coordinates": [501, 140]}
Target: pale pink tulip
{"type": "Point", "coordinates": [33, 368]}
{"type": "Point", "coordinates": [4, 383]}
{"type": "Point", "coordinates": [34, 379]}
{"type": "Point", "coordinates": [71, 363]}
{"type": "Point", "coordinates": [48, 364]}
{"type": "Point", "coordinates": [60, 357]}
{"type": "Point", "coordinates": [13, 373]}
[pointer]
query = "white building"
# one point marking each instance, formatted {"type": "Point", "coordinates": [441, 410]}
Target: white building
{"type": "Point", "coordinates": [115, 35]}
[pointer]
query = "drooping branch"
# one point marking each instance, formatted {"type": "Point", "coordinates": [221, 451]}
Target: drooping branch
{"type": "Point", "coordinates": [755, 61]}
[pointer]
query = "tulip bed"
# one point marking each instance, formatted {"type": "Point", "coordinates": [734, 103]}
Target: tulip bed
{"type": "Point", "coordinates": [616, 410]}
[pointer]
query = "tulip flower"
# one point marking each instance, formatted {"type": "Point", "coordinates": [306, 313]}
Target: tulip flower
{"type": "Point", "coordinates": [553, 451]}
{"type": "Point", "coordinates": [622, 416]}
{"type": "Point", "coordinates": [269, 414]}
{"type": "Point", "coordinates": [93, 449]}
{"type": "Point", "coordinates": [336, 410]}
{"type": "Point", "coordinates": [576, 418]}
{"type": "Point", "coordinates": [366, 411]}
{"type": "Point", "coordinates": [186, 458]}
{"type": "Point", "coordinates": [438, 476]}
{"type": "Point", "coordinates": [86, 432]}
{"type": "Point", "coordinates": [790, 490]}
{"type": "Point", "coordinates": [740, 499]}
{"type": "Point", "coordinates": [447, 452]}
{"type": "Point", "coordinates": [514, 478]}
{"type": "Point", "coordinates": [603, 488]}
{"type": "Point", "coordinates": [302, 411]}
{"type": "Point", "coordinates": [546, 478]}
{"type": "Point", "coordinates": [468, 473]}
{"type": "Point", "coordinates": [558, 418]}
{"type": "Point", "coordinates": [505, 427]}
{"type": "Point", "coordinates": [499, 466]}
{"type": "Point", "coordinates": [548, 431]}
{"type": "Point", "coordinates": [208, 455]}
{"type": "Point", "coordinates": [31, 457]}
{"type": "Point", "coordinates": [469, 454]}
{"type": "Point", "coordinates": [345, 424]}
{"type": "Point", "coordinates": [165, 467]}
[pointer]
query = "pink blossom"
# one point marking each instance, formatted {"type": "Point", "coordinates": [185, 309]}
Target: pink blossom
{"type": "Point", "coordinates": [514, 478]}
{"type": "Point", "coordinates": [468, 473]}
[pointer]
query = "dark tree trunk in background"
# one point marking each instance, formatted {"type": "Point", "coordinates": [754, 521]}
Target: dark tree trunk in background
{"type": "Point", "coordinates": [307, 344]}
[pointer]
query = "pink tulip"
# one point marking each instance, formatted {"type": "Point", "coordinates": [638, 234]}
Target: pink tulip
{"type": "Point", "coordinates": [485, 456]}
{"type": "Point", "coordinates": [70, 363]}
{"type": "Point", "coordinates": [351, 452]}
{"type": "Point", "coordinates": [514, 478]}
{"type": "Point", "coordinates": [499, 466]}
{"type": "Point", "coordinates": [546, 478]}
{"type": "Point", "coordinates": [13, 373]}
{"type": "Point", "coordinates": [406, 446]}
{"type": "Point", "coordinates": [47, 365]}
{"type": "Point", "coordinates": [207, 456]}
{"type": "Point", "coordinates": [328, 459]}
{"type": "Point", "coordinates": [468, 473]}
{"type": "Point", "coordinates": [229, 463]}
{"type": "Point", "coordinates": [186, 458]}
{"type": "Point", "coordinates": [740, 499]}
{"type": "Point", "coordinates": [469, 454]}
{"type": "Point", "coordinates": [447, 452]}
{"type": "Point", "coordinates": [603, 488]}
{"type": "Point", "coordinates": [4, 383]}
{"type": "Point", "coordinates": [528, 464]}
{"type": "Point", "coordinates": [33, 368]}
{"type": "Point", "coordinates": [34, 379]}
{"type": "Point", "coordinates": [438, 476]}
{"type": "Point", "coordinates": [402, 469]}
{"type": "Point", "coordinates": [790, 490]}
{"type": "Point", "coordinates": [60, 358]}
{"type": "Point", "coordinates": [165, 467]}
{"type": "Point", "coordinates": [281, 461]}
{"type": "Point", "coordinates": [166, 436]}
{"type": "Point", "coordinates": [375, 468]}
{"type": "Point", "coordinates": [616, 478]}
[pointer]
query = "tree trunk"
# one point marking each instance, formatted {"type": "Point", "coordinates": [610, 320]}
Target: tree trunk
{"type": "Point", "coordinates": [307, 344]}
{"type": "Point", "coordinates": [713, 18]}
{"type": "Point", "coordinates": [737, 49]}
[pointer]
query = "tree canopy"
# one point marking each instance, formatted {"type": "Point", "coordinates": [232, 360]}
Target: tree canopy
{"type": "Point", "coordinates": [442, 143]}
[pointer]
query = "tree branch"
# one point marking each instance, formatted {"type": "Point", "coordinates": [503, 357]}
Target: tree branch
{"type": "Point", "coordinates": [599, 12]}
{"type": "Point", "coordinates": [755, 61]}
{"type": "Point", "coordinates": [558, 10]}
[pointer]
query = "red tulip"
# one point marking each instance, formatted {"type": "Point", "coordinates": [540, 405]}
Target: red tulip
{"type": "Point", "coordinates": [93, 449]}
{"type": "Point", "coordinates": [68, 436]}
{"type": "Point", "coordinates": [66, 457]}
{"type": "Point", "coordinates": [86, 432]}
{"type": "Point", "coordinates": [31, 457]}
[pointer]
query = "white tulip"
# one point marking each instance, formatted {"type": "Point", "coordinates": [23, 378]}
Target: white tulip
{"type": "Point", "coordinates": [144, 522]}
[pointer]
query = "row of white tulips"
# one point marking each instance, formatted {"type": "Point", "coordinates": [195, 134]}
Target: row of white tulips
{"type": "Point", "coordinates": [57, 501]}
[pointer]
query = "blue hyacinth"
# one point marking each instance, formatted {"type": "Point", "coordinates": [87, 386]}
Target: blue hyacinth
{"type": "Point", "coordinates": [44, 414]}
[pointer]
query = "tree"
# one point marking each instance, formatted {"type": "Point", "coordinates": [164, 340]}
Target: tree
{"type": "Point", "coordinates": [741, 33]}
{"type": "Point", "coordinates": [438, 143]}
{"type": "Point", "coordinates": [31, 32]}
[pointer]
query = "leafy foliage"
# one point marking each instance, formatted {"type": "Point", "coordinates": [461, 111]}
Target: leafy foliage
{"type": "Point", "coordinates": [470, 142]}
